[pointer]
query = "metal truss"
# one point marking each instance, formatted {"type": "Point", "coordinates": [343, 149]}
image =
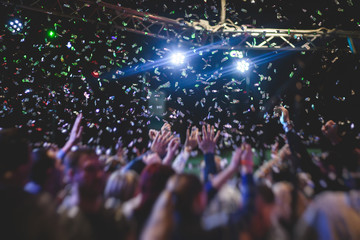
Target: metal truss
{"type": "Point", "coordinates": [225, 35]}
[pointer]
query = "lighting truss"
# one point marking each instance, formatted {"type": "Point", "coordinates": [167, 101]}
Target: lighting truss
{"type": "Point", "coordinates": [225, 35]}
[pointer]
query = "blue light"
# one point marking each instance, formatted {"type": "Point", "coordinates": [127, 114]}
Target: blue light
{"type": "Point", "coordinates": [236, 54]}
{"type": "Point", "coordinates": [242, 65]}
{"type": "Point", "coordinates": [178, 58]}
{"type": "Point", "coordinates": [15, 26]}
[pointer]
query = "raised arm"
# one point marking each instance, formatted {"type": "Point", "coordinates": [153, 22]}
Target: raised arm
{"type": "Point", "coordinates": [158, 151]}
{"type": "Point", "coordinates": [160, 143]}
{"type": "Point", "coordinates": [241, 157]}
{"type": "Point", "coordinates": [298, 149]}
{"type": "Point", "coordinates": [171, 151]}
{"type": "Point", "coordinates": [164, 129]}
{"type": "Point", "coordinates": [301, 157]}
{"type": "Point", "coordinates": [207, 144]}
{"type": "Point", "coordinates": [74, 138]}
{"type": "Point", "coordinates": [244, 157]}
{"type": "Point", "coordinates": [190, 143]}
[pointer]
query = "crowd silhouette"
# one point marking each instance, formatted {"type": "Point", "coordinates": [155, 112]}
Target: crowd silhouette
{"type": "Point", "coordinates": [73, 193]}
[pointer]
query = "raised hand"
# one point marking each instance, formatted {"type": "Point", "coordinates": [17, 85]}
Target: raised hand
{"type": "Point", "coordinates": [330, 129]}
{"type": "Point", "coordinates": [171, 150]}
{"type": "Point", "coordinates": [247, 158]}
{"type": "Point", "coordinates": [152, 134]}
{"type": "Point", "coordinates": [207, 142]}
{"type": "Point", "coordinates": [160, 143]}
{"type": "Point", "coordinates": [76, 131]}
{"type": "Point", "coordinates": [243, 156]}
{"type": "Point", "coordinates": [191, 139]}
{"type": "Point", "coordinates": [74, 138]}
{"type": "Point", "coordinates": [284, 118]}
{"type": "Point", "coordinates": [236, 158]}
{"type": "Point", "coordinates": [283, 113]}
{"type": "Point", "coordinates": [173, 146]}
{"type": "Point", "coordinates": [164, 129]}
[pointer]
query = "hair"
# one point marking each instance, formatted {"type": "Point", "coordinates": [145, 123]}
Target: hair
{"type": "Point", "coordinates": [283, 197]}
{"type": "Point", "coordinates": [174, 204]}
{"type": "Point", "coordinates": [184, 189]}
{"type": "Point", "coordinates": [153, 181]}
{"type": "Point", "coordinates": [113, 163]}
{"type": "Point", "coordinates": [72, 158]}
{"type": "Point", "coordinates": [122, 186]}
{"type": "Point", "coordinates": [265, 192]}
{"type": "Point", "coordinates": [41, 162]}
{"type": "Point", "coordinates": [14, 150]}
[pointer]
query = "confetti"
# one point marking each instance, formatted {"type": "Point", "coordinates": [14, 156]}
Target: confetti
{"type": "Point", "coordinates": [55, 76]}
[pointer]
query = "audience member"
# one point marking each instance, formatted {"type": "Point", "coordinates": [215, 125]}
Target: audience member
{"type": "Point", "coordinates": [151, 196]}
{"type": "Point", "coordinates": [22, 215]}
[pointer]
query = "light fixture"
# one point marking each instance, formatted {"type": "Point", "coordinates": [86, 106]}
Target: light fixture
{"type": "Point", "coordinates": [242, 65]}
{"type": "Point", "coordinates": [178, 58]}
{"type": "Point", "coordinates": [15, 26]}
{"type": "Point", "coordinates": [236, 54]}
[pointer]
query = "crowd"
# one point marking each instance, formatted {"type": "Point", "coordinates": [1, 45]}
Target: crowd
{"type": "Point", "coordinates": [73, 193]}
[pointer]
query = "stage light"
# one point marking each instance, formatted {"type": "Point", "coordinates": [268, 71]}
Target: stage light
{"type": "Point", "coordinates": [15, 26]}
{"type": "Point", "coordinates": [178, 58]}
{"type": "Point", "coordinates": [236, 54]}
{"type": "Point", "coordinates": [242, 65]}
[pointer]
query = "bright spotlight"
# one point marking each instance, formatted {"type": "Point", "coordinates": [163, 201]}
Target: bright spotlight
{"type": "Point", "coordinates": [15, 26]}
{"type": "Point", "coordinates": [178, 58]}
{"type": "Point", "coordinates": [242, 65]}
